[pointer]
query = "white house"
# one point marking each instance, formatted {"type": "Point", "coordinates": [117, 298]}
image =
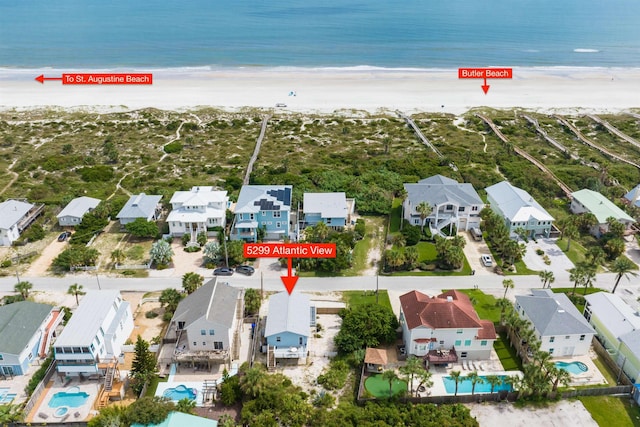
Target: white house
{"type": "Point", "coordinates": [72, 214]}
{"type": "Point", "coordinates": [140, 206]}
{"type": "Point", "coordinates": [205, 325]}
{"type": "Point", "coordinates": [602, 208]}
{"type": "Point", "coordinates": [95, 334]}
{"type": "Point", "coordinates": [197, 210]}
{"type": "Point", "coordinates": [15, 217]}
{"type": "Point", "coordinates": [519, 209]}
{"type": "Point", "coordinates": [633, 196]}
{"type": "Point", "coordinates": [453, 204]}
{"type": "Point", "coordinates": [561, 329]}
{"type": "Point", "coordinates": [445, 328]}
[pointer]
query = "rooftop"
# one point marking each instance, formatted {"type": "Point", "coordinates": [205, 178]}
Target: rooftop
{"type": "Point", "coordinates": [139, 206]}
{"type": "Point", "coordinates": [615, 314]}
{"type": "Point", "coordinates": [288, 313]}
{"type": "Point", "coordinates": [79, 206]}
{"type": "Point", "coordinates": [328, 205]}
{"type": "Point", "coordinates": [18, 322]}
{"type": "Point", "coordinates": [516, 204]}
{"type": "Point", "coordinates": [553, 314]}
{"type": "Point", "coordinates": [215, 301]}
{"type": "Point", "coordinates": [12, 211]}
{"type": "Point", "coordinates": [255, 198]}
{"type": "Point", "coordinates": [438, 190]}
{"type": "Point", "coordinates": [600, 206]}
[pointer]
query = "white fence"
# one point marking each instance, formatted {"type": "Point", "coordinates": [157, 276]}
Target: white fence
{"type": "Point", "coordinates": [131, 348]}
{"type": "Point", "coordinates": [134, 266]}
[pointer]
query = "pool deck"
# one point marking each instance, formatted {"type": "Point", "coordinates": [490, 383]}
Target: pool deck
{"type": "Point", "coordinates": [42, 413]}
{"type": "Point", "coordinates": [591, 377]}
{"type": "Point", "coordinates": [191, 378]}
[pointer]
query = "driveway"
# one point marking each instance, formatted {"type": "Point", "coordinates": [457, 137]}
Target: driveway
{"type": "Point", "coordinates": [473, 250]}
{"type": "Point", "coordinates": [560, 263]}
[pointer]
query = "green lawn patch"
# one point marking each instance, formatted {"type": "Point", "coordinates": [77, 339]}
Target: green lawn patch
{"type": "Point", "coordinates": [605, 371]}
{"type": "Point", "coordinates": [153, 386]}
{"type": "Point", "coordinates": [612, 410]}
{"type": "Point", "coordinates": [395, 217]}
{"type": "Point", "coordinates": [374, 226]}
{"type": "Point", "coordinates": [521, 270]}
{"type": "Point", "coordinates": [485, 305]}
{"type": "Point", "coordinates": [576, 252]}
{"type": "Point", "coordinates": [355, 298]}
{"type": "Point", "coordinates": [426, 252]}
{"type": "Point", "coordinates": [379, 387]}
{"type": "Point", "coordinates": [507, 354]}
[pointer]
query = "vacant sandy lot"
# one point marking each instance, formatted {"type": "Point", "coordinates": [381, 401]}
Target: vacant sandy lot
{"type": "Point", "coordinates": [561, 414]}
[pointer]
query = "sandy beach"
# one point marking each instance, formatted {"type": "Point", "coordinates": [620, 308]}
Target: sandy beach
{"type": "Point", "coordinates": [325, 90]}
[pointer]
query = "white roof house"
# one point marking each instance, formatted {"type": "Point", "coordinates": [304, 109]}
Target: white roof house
{"type": "Point", "coordinates": [288, 325]}
{"type": "Point", "coordinates": [602, 208]}
{"type": "Point", "coordinates": [519, 209]}
{"type": "Point", "coordinates": [330, 208]}
{"type": "Point", "coordinates": [139, 206]}
{"type": "Point", "coordinates": [196, 210]}
{"type": "Point", "coordinates": [72, 214]}
{"type": "Point", "coordinates": [611, 317]}
{"type": "Point", "coordinates": [11, 214]}
{"type": "Point", "coordinates": [633, 196]}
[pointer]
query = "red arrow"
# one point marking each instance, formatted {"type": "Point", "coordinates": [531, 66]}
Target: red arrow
{"type": "Point", "coordinates": [485, 86]}
{"type": "Point", "coordinates": [289, 280]}
{"type": "Point", "coordinates": [41, 78]}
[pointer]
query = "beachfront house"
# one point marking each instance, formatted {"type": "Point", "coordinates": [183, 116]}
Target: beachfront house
{"type": "Point", "coordinates": [72, 214]}
{"type": "Point", "coordinates": [632, 198]}
{"type": "Point", "coordinates": [617, 327]}
{"type": "Point", "coordinates": [288, 326]}
{"type": "Point", "coordinates": [205, 328]}
{"type": "Point", "coordinates": [559, 326]}
{"type": "Point", "coordinates": [142, 206]}
{"type": "Point", "coordinates": [197, 211]}
{"type": "Point", "coordinates": [26, 331]}
{"type": "Point", "coordinates": [584, 201]}
{"type": "Point", "coordinates": [264, 207]}
{"type": "Point", "coordinates": [91, 343]}
{"type": "Point", "coordinates": [15, 217]}
{"type": "Point", "coordinates": [519, 210]}
{"type": "Point", "coordinates": [453, 204]}
{"type": "Point", "coordinates": [445, 328]}
{"type": "Point", "coordinates": [334, 209]}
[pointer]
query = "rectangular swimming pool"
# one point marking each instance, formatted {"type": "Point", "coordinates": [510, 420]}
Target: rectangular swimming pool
{"type": "Point", "coordinates": [464, 385]}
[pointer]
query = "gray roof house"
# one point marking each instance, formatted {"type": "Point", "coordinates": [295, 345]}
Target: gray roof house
{"type": "Point", "coordinates": [453, 203]}
{"type": "Point", "coordinates": [561, 329]}
{"type": "Point", "coordinates": [26, 329]}
{"type": "Point", "coordinates": [288, 325]}
{"type": "Point", "coordinates": [205, 325]}
{"type": "Point", "coordinates": [12, 214]}
{"type": "Point", "coordinates": [72, 214]}
{"type": "Point", "coordinates": [633, 196]}
{"type": "Point", "coordinates": [519, 209]}
{"type": "Point", "coordinates": [140, 206]}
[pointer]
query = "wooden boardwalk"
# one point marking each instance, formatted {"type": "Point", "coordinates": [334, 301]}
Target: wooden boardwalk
{"type": "Point", "coordinates": [617, 132]}
{"type": "Point", "coordinates": [256, 150]}
{"type": "Point", "coordinates": [565, 188]}
{"type": "Point", "coordinates": [423, 138]}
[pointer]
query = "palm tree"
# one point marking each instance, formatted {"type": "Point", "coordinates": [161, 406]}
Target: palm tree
{"type": "Point", "coordinates": [76, 290]}
{"type": "Point", "coordinates": [391, 376]}
{"type": "Point", "coordinates": [589, 276]}
{"type": "Point", "coordinates": [570, 232]}
{"type": "Point", "coordinates": [191, 281]}
{"type": "Point", "coordinates": [455, 375]}
{"type": "Point", "coordinates": [118, 256]}
{"type": "Point", "coordinates": [10, 414]}
{"type": "Point", "coordinates": [412, 367]}
{"type": "Point", "coordinates": [424, 379]}
{"type": "Point", "coordinates": [507, 284]}
{"type": "Point", "coordinates": [576, 275]}
{"type": "Point", "coordinates": [23, 289]}
{"type": "Point", "coordinates": [560, 376]}
{"type": "Point", "coordinates": [170, 298]}
{"type": "Point", "coordinates": [503, 303]}
{"type": "Point", "coordinates": [546, 277]}
{"type": "Point", "coordinates": [161, 252]}
{"type": "Point", "coordinates": [494, 381]}
{"type": "Point", "coordinates": [623, 267]}
{"type": "Point", "coordinates": [475, 379]}
{"type": "Point", "coordinates": [424, 209]}
{"type": "Point", "coordinates": [254, 381]}
{"type": "Point", "coordinates": [320, 232]}
{"type": "Point", "coordinates": [402, 195]}
{"type": "Point", "coordinates": [596, 255]}
{"type": "Point", "coordinates": [186, 406]}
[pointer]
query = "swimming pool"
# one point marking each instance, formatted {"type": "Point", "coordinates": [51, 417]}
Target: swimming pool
{"type": "Point", "coordinates": [574, 368]}
{"type": "Point", "coordinates": [72, 398]}
{"type": "Point", "coordinates": [5, 396]}
{"type": "Point", "coordinates": [180, 392]}
{"type": "Point", "coordinates": [464, 385]}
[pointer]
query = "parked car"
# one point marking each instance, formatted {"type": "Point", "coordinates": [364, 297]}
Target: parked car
{"type": "Point", "coordinates": [223, 271]}
{"type": "Point", "coordinates": [486, 260]}
{"type": "Point", "coordinates": [64, 236]}
{"type": "Point", "coordinates": [245, 269]}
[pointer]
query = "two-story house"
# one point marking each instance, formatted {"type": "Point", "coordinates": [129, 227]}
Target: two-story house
{"type": "Point", "coordinates": [519, 210]}
{"type": "Point", "coordinates": [445, 328]}
{"type": "Point", "coordinates": [15, 217]}
{"type": "Point", "coordinates": [95, 334]}
{"type": "Point", "coordinates": [586, 200]}
{"type": "Point", "coordinates": [266, 207]}
{"type": "Point", "coordinates": [197, 211]}
{"type": "Point", "coordinates": [333, 209]}
{"type": "Point", "coordinates": [206, 325]}
{"type": "Point", "coordinates": [558, 325]}
{"type": "Point", "coordinates": [453, 204]}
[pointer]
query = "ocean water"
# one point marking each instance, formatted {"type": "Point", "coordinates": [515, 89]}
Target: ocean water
{"type": "Point", "coordinates": [312, 33]}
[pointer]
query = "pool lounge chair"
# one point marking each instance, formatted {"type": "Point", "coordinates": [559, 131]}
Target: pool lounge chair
{"type": "Point", "coordinates": [76, 414]}
{"type": "Point", "coordinates": [43, 415]}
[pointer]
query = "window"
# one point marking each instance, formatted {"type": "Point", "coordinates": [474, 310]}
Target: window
{"type": "Point", "coordinates": [217, 345]}
{"type": "Point", "coordinates": [550, 351]}
{"type": "Point", "coordinates": [180, 325]}
{"type": "Point", "coordinates": [463, 354]}
{"type": "Point", "coordinates": [212, 332]}
{"type": "Point", "coordinates": [203, 332]}
{"type": "Point", "coordinates": [458, 343]}
{"type": "Point", "coordinates": [204, 343]}
{"type": "Point", "coordinates": [328, 221]}
{"type": "Point", "coordinates": [277, 214]}
{"type": "Point", "coordinates": [251, 217]}
{"type": "Point", "coordinates": [422, 347]}
{"type": "Point", "coordinates": [416, 221]}
{"type": "Point", "coordinates": [567, 337]}
{"type": "Point", "coordinates": [581, 337]}
{"type": "Point", "coordinates": [552, 339]}
{"type": "Point", "coordinates": [474, 208]}
{"type": "Point", "coordinates": [277, 339]}
{"type": "Point", "coordinates": [461, 209]}
{"type": "Point", "coordinates": [30, 356]}
{"type": "Point", "coordinates": [263, 213]}
{"type": "Point", "coordinates": [449, 207]}
{"type": "Point", "coordinates": [459, 331]}
{"type": "Point", "coordinates": [300, 341]}
{"type": "Point", "coordinates": [1, 357]}
{"type": "Point", "coordinates": [467, 343]}
{"type": "Point", "coordinates": [442, 342]}
{"type": "Point", "coordinates": [195, 343]}
{"type": "Point", "coordinates": [278, 224]}
{"type": "Point", "coordinates": [483, 343]}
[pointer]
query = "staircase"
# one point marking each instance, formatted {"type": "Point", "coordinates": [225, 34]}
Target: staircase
{"type": "Point", "coordinates": [271, 358]}
{"type": "Point", "coordinates": [108, 378]}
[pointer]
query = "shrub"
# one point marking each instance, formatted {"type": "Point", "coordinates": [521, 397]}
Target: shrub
{"type": "Point", "coordinates": [174, 147]}
{"type": "Point", "coordinates": [336, 377]}
{"type": "Point", "coordinates": [191, 249]}
{"type": "Point", "coordinates": [186, 238]}
{"type": "Point", "coordinates": [426, 267]}
{"type": "Point", "coordinates": [151, 314]}
{"type": "Point", "coordinates": [539, 251]}
{"type": "Point", "coordinates": [6, 263]}
{"type": "Point", "coordinates": [100, 173]}
{"type": "Point", "coordinates": [38, 376]}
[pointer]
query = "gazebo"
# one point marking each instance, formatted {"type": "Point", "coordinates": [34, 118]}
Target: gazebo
{"type": "Point", "coordinates": [375, 359]}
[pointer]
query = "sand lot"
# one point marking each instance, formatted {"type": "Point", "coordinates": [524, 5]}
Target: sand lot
{"type": "Point", "coordinates": [561, 414]}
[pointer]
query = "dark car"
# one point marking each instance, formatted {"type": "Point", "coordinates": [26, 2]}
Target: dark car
{"type": "Point", "coordinates": [245, 269]}
{"type": "Point", "coordinates": [223, 271]}
{"type": "Point", "coordinates": [64, 236]}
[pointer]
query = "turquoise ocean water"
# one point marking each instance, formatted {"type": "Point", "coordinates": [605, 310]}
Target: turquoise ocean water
{"type": "Point", "coordinates": [319, 33]}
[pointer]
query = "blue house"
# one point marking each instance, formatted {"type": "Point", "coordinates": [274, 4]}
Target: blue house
{"type": "Point", "coordinates": [289, 321]}
{"type": "Point", "coordinates": [26, 330]}
{"type": "Point", "coordinates": [330, 208]}
{"type": "Point", "coordinates": [262, 206]}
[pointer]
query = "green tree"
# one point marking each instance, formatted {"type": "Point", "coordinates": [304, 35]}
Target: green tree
{"type": "Point", "coordinates": [424, 209]}
{"type": "Point", "coordinates": [187, 406]}
{"type": "Point", "coordinates": [570, 232]}
{"type": "Point", "coordinates": [10, 414]}
{"type": "Point", "coordinates": [76, 290]}
{"type": "Point", "coordinates": [596, 255]}
{"type": "Point", "coordinates": [252, 301]}
{"type": "Point", "coordinates": [254, 381]}
{"type": "Point", "coordinates": [411, 368]}
{"type": "Point", "coordinates": [230, 392]}
{"type": "Point", "coordinates": [110, 416]}
{"type": "Point", "coordinates": [455, 376]}
{"type": "Point", "coordinates": [143, 367]}
{"type": "Point", "coordinates": [623, 267]}
{"type": "Point", "coordinates": [141, 228]}
{"type": "Point", "coordinates": [494, 381]}
{"type": "Point", "coordinates": [547, 278]}
{"type": "Point", "coordinates": [616, 228]}
{"type": "Point", "coordinates": [170, 298]}
{"type": "Point", "coordinates": [507, 284]}
{"type": "Point", "coordinates": [76, 257]}
{"type": "Point", "coordinates": [191, 282]}
{"type": "Point", "coordinates": [211, 250]}
{"type": "Point", "coordinates": [149, 410]}
{"type": "Point", "coordinates": [118, 256]}
{"type": "Point", "coordinates": [390, 376]}
{"type": "Point", "coordinates": [411, 257]}
{"type": "Point", "coordinates": [394, 258]}
{"type": "Point", "coordinates": [23, 288]}
{"type": "Point", "coordinates": [589, 277]}
{"type": "Point", "coordinates": [161, 252]}
{"type": "Point", "coordinates": [424, 379]}
{"type": "Point", "coordinates": [475, 379]}
{"type": "Point", "coordinates": [614, 247]}
{"type": "Point", "coordinates": [201, 238]}
{"type": "Point", "coordinates": [577, 275]}
{"type": "Point", "coordinates": [367, 325]}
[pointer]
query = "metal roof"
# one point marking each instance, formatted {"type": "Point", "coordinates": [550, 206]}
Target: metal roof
{"type": "Point", "coordinates": [614, 314]}
{"type": "Point", "coordinates": [438, 190]}
{"type": "Point", "coordinates": [328, 205]}
{"type": "Point", "coordinates": [600, 206]}
{"type": "Point", "coordinates": [139, 206]}
{"type": "Point", "coordinates": [288, 313]}
{"type": "Point", "coordinates": [255, 198]}
{"type": "Point", "coordinates": [553, 314]}
{"type": "Point", "coordinates": [79, 206]}
{"type": "Point", "coordinates": [516, 204]}
{"type": "Point", "coordinates": [12, 211]}
{"type": "Point", "coordinates": [18, 322]}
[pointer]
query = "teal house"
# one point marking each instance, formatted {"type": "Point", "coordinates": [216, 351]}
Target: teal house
{"type": "Point", "coordinates": [266, 207]}
{"type": "Point", "coordinates": [179, 419]}
{"type": "Point", "coordinates": [288, 327]}
{"type": "Point", "coordinates": [331, 208]}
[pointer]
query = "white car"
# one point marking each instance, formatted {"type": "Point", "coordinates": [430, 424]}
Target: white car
{"type": "Point", "coordinates": [486, 260]}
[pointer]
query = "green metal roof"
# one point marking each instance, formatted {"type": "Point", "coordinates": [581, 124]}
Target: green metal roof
{"type": "Point", "coordinates": [18, 322]}
{"type": "Point", "coordinates": [600, 206]}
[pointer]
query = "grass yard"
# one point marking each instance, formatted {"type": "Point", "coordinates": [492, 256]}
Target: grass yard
{"type": "Point", "coordinates": [605, 371]}
{"type": "Point", "coordinates": [507, 354]}
{"type": "Point", "coordinates": [485, 305]}
{"type": "Point", "coordinates": [355, 298]}
{"type": "Point", "coordinates": [612, 410]}
{"type": "Point", "coordinates": [372, 239]}
{"type": "Point", "coordinates": [153, 386]}
{"type": "Point", "coordinates": [395, 217]}
{"type": "Point", "coordinates": [576, 251]}
{"type": "Point", "coordinates": [379, 387]}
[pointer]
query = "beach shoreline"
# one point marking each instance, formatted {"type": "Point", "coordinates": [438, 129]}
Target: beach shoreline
{"type": "Point", "coordinates": [325, 90]}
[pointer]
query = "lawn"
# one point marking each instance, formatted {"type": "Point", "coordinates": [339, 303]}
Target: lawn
{"type": "Point", "coordinates": [485, 305]}
{"type": "Point", "coordinates": [507, 354]}
{"type": "Point", "coordinates": [395, 217]}
{"type": "Point", "coordinates": [379, 387]}
{"type": "Point", "coordinates": [605, 371]}
{"type": "Point", "coordinates": [153, 386]}
{"type": "Point", "coordinates": [355, 298]}
{"type": "Point", "coordinates": [612, 410]}
{"type": "Point", "coordinates": [576, 251]}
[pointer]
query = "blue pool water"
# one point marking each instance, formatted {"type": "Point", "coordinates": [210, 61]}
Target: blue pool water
{"type": "Point", "coordinates": [575, 368]}
{"type": "Point", "coordinates": [464, 385]}
{"type": "Point", "coordinates": [5, 396]}
{"type": "Point", "coordinates": [61, 411]}
{"type": "Point", "coordinates": [72, 400]}
{"type": "Point", "coordinates": [180, 392]}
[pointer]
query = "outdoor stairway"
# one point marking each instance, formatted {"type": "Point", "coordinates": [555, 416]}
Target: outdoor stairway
{"type": "Point", "coordinates": [271, 359]}
{"type": "Point", "coordinates": [108, 378]}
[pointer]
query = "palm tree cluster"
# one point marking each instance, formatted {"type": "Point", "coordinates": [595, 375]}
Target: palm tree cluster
{"type": "Point", "coordinates": [583, 274]}
{"type": "Point", "coordinates": [511, 251]}
{"type": "Point", "coordinates": [450, 252]}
